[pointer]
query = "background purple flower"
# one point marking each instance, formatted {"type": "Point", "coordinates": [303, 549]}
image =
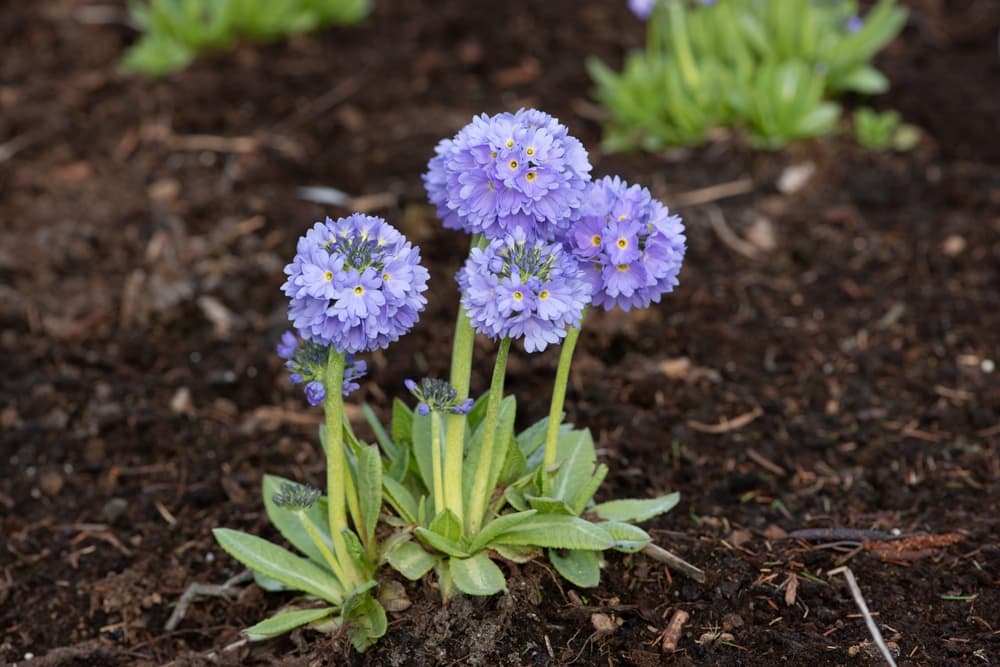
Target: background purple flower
{"type": "Point", "coordinates": [506, 172]}
{"type": "Point", "coordinates": [629, 245]}
{"type": "Point", "coordinates": [355, 284]}
{"type": "Point", "coordinates": [523, 289]}
{"type": "Point", "coordinates": [642, 8]}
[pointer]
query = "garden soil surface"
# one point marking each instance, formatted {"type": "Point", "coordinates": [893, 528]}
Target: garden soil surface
{"type": "Point", "coordinates": [827, 364]}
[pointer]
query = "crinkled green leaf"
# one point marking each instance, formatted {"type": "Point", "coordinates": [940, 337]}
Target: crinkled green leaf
{"type": "Point", "coordinates": [557, 531]}
{"type": "Point", "coordinates": [411, 560]}
{"type": "Point", "coordinates": [442, 544]}
{"type": "Point", "coordinates": [369, 466]}
{"type": "Point", "coordinates": [498, 526]}
{"type": "Point", "coordinates": [477, 575]}
{"type": "Point", "coordinates": [279, 564]}
{"type": "Point", "coordinates": [636, 510]}
{"type": "Point", "coordinates": [580, 568]}
{"type": "Point", "coordinates": [628, 538]}
{"type": "Point", "coordinates": [285, 621]}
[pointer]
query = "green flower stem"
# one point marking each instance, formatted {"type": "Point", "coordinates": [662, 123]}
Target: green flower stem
{"type": "Point", "coordinates": [480, 484]}
{"type": "Point", "coordinates": [559, 396]}
{"type": "Point", "coordinates": [439, 502]}
{"type": "Point", "coordinates": [336, 464]}
{"type": "Point", "coordinates": [320, 543]}
{"type": "Point", "coordinates": [461, 370]}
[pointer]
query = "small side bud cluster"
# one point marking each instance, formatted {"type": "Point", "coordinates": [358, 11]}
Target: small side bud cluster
{"type": "Point", "coordinates": [306, 362]}
{"type": "Point", "coordinates": [439, 396]}
{"type": "Point", "coordinates": [296, 496]}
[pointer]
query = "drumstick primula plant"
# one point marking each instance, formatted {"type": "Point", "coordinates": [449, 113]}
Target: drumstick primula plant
{"type": "Point", "coordinates": [455, 488]}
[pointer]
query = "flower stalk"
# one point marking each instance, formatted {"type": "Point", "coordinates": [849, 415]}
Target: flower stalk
{"type": "Point", "coordinates": [480, 494]}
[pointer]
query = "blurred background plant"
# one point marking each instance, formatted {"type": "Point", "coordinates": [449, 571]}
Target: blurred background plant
{"type": "Point", "coordinates": [175, 32]}
{"type": "Point", "coordinates": [881, 131]}
{"type": "Point", "coordinates": [770, 68]}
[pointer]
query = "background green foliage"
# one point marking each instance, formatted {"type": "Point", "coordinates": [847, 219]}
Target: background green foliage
{"type": "Point", "coordinates": [176, 31]}
{"type": "Point", "coordinates": [770, 68]}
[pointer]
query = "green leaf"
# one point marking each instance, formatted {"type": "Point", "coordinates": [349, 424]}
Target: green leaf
{"type": "Point", "coordinates": [442, 544]}
{"type": "Point", "coordinates": [369, 490]}
{"type": "Point", "coordinates": [400, 498]}
{"type": "Point", "coordinates": [547, 505]}
{"type": "Point", "coordinates": [268, 584]}
{"type": "Point", "coordinates": [383, 438]}
{"type": "Point", "coordinates": [477, 575]}
{"type": "Point", "coordinates": [865, 80]}
{"type": "Point", "coordinates": [557, 531]}
{"type": "Point", "coordinates": [365, 621]}
{"type": "Point", "coordinates": [290, 525]}
{"type": "Point", "coordinates": [402, 423]}
{"type": "Point", "coordinates": [585, 493]}
{"type": "Point", "coordinates": [411, 560]}
{"type": "Point", "coordinates": [636, 510]}
{"type": "Point", "coordinates": [516, 554]}
{"type": "Point", "coordinates": [580, 568]}
{"type": "Point", "coordinates": [279, 564]}
{"type": "Point", "coordinates": [498, 526]}
{"type": "Point", "coordinates": [515, 497]}
{"type": "Point", "coordinates": [504, 437]}
{"type": "Point", "coordinates": [447, 525]}
{"type": "Point", "coordinates": [285, 621]}
{"type": "Point", "coordinates": [628, 538]}
{"type": "Point", "coordinates": [422, 449]}
{"type": "Point", "coordinates": [577, 459]}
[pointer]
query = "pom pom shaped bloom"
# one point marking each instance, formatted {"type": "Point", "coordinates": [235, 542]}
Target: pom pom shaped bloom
{"type": "Point", "coordinates": [437, 395]}
{"type": "Point", "coordinates": [509, 171]}
{"type": "Point", "coordinates": [523, 289]}
{"type": "Point", "coordinates": [306, 363]}
{"type": "Point", "coordinates": [355, 284]}
{"type": "Point", "coordinates": [629, 245]}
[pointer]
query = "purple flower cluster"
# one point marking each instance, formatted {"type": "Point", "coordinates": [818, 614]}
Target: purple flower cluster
{"type": "Point", "coordinates": [509, 171]}
{"type": "Point", "coordinates": [355, 284]}
{"type": "Point", "coordinates": [437, 395]}
{"type": "Point", "coordinates": [629, 245]}
{"type": "Point", "coordinates": [642, 8]}
{"type": "Point", "coordinates": [517, 288]}
{"type": "Point", "coordinates": [306, 361]}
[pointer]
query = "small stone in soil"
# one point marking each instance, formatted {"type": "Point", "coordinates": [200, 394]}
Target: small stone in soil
{"type": "Point", "coordinates": [114, 509]}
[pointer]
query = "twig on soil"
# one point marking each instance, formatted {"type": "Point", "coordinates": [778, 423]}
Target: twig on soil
{"type": "Point", "coordinates": [657, 552]}
{"type": "Point", "coordinates": [726, 425]}
{"type": "Point", "coordinates": [728, 236]}
{"type": "Point", "coordinates": [765, 463]}
{"type": "Point", "coordinates": [713, 193]}
{"type": "Point", "coordinates": [840, 535]}
{"type": "Point", "coordinates": [672, 633]}
{"type": "Point", "coordinates": [210, 656]}
{"type": "Point", "coordinates": [196, 589]}
{"type": "Point", "coordinates": [859, 600]}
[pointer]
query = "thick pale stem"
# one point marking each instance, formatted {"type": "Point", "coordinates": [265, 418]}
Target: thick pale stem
{"type": "Point", "coordinates": [559, 396]}
{"type": "Point", "coordinates": [479, 497]}
{"type": "Point", "coordinates": [336, 464]}
{"type": "Point", "coordinates": [439, 498]}
{"type": "Point", "coordinates": [324, 550]}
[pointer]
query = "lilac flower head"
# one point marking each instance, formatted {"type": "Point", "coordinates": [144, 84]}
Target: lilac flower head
{"type": "Point", "coordinates": [630, 246]}
{"type": "Point", "coordinates": [506, 172]}
{"type": "Point", "coordinates": [642, 8]}
{"type": "Point", "coordinates": [437, 395]}
{"type": "Point", "coordinates": [355, 284]}
{"type": "Point", "coordinates": [854, 24]}
{"type": "Point", "coordinates": [515, 288]}
{"type": "Point", "coordinates": [306, 361]}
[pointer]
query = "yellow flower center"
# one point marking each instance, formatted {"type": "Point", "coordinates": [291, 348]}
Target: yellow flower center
{"type": "Point", "coordinates": [544, 294]}
{"type": "Point", "coordinates": [621, 218]}
{"type": "Point", "coordinates": [509, 143]}
{"type": "Point", "coordinates": [529, 151]}
{"type": "Point", "coordinates": [512, 164]}
{"type": "Point", "coordinates": [493, 154]}
{"type": "Point", "coordinates": [518, 296]}
{"type": "Point", "coordinates": [385, 277]}
{"type": "Point", "coordinates": [328, 276]}
{"type": "Point", "coordinates": [359, 290]}
{"type": "Point", "coordinates": [530, 176]}
{"type": "Point", "coordinates": [622, 267]}
{"type": "Point", "coordinates": [622, 243]}
{"type": "Point", "coordinates": [595, 240]}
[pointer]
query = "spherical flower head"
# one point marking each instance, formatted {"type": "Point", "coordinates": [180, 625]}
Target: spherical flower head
{"type": "Point", "coordinates": [355, 284]}
{"type": "Point", "coordinates": [629, 245]}
{"type": "Point", "coordinates": [438, 396]}
{"type": "Point", "coordinates": [516, 288]}
{"type": "Point", "coordinates": [509, 171]}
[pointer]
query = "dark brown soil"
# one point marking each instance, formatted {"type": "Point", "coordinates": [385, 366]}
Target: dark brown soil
{"type": "Point", "coordinates": [834, 367]}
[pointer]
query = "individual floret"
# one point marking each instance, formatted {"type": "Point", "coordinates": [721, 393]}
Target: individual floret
{"type": "Point", "coordinates": [306, 363]}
